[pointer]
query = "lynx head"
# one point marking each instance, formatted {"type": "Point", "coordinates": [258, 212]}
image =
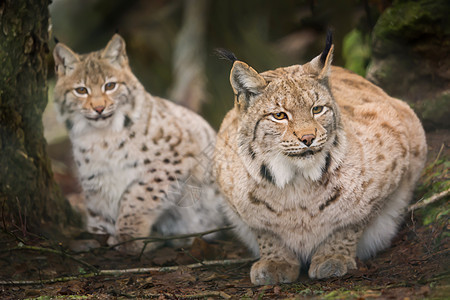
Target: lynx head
{"type": "Point", "coordinates": [287, 119]}
{"type": "Point", "coordinates": [94, 90]}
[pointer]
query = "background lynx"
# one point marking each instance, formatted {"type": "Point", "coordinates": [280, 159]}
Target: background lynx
{"type": "Point", "coordinates": [143, 162]}
{"type": "Point", "coordinates": [317, 165]}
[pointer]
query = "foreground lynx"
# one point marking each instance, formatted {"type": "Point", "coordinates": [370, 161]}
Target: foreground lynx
{"type": "Point", "coordinates": [143, 161]}
{"type": "Point", "coordinates": [317, 165]}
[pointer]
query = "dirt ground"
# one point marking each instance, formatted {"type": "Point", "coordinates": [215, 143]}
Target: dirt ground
{"type": "Point", "coordinates": [415, 267]}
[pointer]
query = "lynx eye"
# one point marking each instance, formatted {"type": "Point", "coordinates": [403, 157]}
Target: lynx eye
{"type": "Point", "coordinates": [279, 116]}
{"type": "Point", "coordinates": [317, 109]}
{"type": "Point", "coordinates": [81, 90]}
{"type": "Point", "coordinates": [110, 86]}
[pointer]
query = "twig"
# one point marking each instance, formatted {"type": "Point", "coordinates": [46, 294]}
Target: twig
{"type": "Point", "coordinates": [439, 155]}
{"type": "Point", "coordinates": [436, 277]}
{"type": "Point", "coordinates": [46, 281]}
{"type": "Point", "coordinates": [429, 200]}
{"type": "Point", "coordinates": [142, 250]}
{"type": "Point", "coordinates": [5, 228]}
{"type": "Point", "coordinates": [169, 238]}
{"type": "Point", "coordinates": [191, 256]}
{"type": "Point", "coordinates": [207, 263]}
{"type": "Point", "coordinates": [23, 224]}
{"type": "Point", "coordinates": [49, 250]}
{"type": "Point", "coordinates": [200, 295]}
{"type": "Point", "coordinates": [390, 286]}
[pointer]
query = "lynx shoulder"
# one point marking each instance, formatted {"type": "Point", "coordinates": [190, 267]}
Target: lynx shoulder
{"type": "Point", "coordinates": [317, 165]}
{"type": "Point", "coordinates": [144, 163]}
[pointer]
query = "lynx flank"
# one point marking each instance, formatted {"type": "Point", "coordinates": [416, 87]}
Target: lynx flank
{"type": "Point", "coordinates": [317, 165]}
{"type": "Point", "coordinates": [142, 161]}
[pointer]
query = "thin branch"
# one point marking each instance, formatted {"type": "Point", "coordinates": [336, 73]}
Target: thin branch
{"type": "Point", "coordinates": [439, 155]}
{"type": "Point", "coordinates": [174, 237]}
{"type": "Point", "coordinates": [57, 252]}
{"type": "Point", "coordinates": [97, 272]}
{"type": "Point", "coordinates": [23, 224]}
{"type": "Point", "coordinates": [207, 263]}
{"type": "Point", "coordinates": [436, 277]}
{"type": "Point", "coordinates": [191, 256]}
{"type": "Point", "coordinates": [143, 250]}
{"type": "Point", "coordinates": [429, 200]}
{"type": "Point", "coordinates": [46, 281]}
{"type": "Point", "coordinates": [5, 227]}
{"type": "Point", "coordinates": [200, 295]}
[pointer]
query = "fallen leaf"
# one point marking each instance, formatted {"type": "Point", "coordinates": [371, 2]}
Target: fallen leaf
{"type": "Point", "coordinates": [164, 256]}
{"type": "Point", "coordinates": [65, 291]}
{"type": "Point", "coordinates": [276, 290]}
{"type": "Point", "coordinates": [203, 250]}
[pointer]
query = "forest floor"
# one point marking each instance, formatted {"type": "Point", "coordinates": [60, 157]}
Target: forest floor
{"type": "Point", "coordinates": [416, 266]}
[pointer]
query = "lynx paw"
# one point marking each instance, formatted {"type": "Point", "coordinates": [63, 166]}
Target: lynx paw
{"type": "Point", "coordinates": [135, 247]}
{"type": "Point", "coordinates": [265, 272]}
{"type": "Point", "coordinates": [331, 265]}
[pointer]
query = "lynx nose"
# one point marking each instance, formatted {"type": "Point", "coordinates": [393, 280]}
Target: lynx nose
{"type": "Point", "coordinates": [99, 109]}
{"type": "Point", "coordinates": [307, 139]}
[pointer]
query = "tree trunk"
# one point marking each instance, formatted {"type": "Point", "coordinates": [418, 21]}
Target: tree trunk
{"type": "Point", "coordinates": [189, 87]}
{"type": "Point", "coordinates": [29, 197]}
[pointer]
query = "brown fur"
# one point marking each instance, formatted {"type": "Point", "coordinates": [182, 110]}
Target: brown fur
{"type": "Point", "coordinates": [342, 196]}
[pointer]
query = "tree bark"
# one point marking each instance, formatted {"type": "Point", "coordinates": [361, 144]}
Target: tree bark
{"type": "Point", "coordinates": [189, 88]}
{"type": "Point", "coordinates": [29, 197]}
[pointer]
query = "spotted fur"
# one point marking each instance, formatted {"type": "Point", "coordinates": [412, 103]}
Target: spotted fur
{"type": "Point", "coordinates": [317, 165]}
{"type": "Point", "coordinates": [144, 163]}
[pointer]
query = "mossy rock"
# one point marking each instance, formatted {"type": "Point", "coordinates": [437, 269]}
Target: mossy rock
{"type": "Point", "coordinates": [409, 20]}
{"type": "Point", "coordinates": [436, 111]}
{"type": "Point", "coordinates": [410, 46]}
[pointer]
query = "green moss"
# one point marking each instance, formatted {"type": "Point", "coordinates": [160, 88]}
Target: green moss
{"type": "Point", "coordinates": [405, 18]}
{"type": "Point", "coordinates": [435, 179]}
{"type": "Point", "coordinates": [437, 108]}
{"type": "Point", "coordinates": [411, 23]}
{"type": "Point", "coordinates": [436, 214]}
{"type": "Point", "coordinates": [356, 51]}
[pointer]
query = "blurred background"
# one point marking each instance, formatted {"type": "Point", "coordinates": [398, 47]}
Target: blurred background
{"type": "Point", "coordinates": [402, 45]}
{"type": "Point", "coordinates": [171, 44]}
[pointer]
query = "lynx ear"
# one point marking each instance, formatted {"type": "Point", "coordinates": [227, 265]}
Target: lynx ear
{"type": "Point", "coordinates": [64, 59]}
{"type": "Point", "coordinates": [246, 82]}
{"type": "Point", "coordinates": [321, 64]}
{"type": "Point", "coordinates": [115, 51]}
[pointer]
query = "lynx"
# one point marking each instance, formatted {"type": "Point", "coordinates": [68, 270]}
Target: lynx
{"type": "Point", "coordinates": [317, 165]}
{"type": "Point", "coordinates": [144, 163]}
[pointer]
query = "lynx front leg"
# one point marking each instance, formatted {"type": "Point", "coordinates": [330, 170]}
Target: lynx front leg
{"type": "Point", "coordinates": [277, 264]}
{"type": "Point", "coordinates": [140, 208]}
{"type": "Point", "coordinates": [336, 255]}
{"type": "Point", "coordinates": [96, 222]}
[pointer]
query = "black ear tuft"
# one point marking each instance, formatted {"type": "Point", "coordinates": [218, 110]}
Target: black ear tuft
{"type": "Point", "coordinates": [225, 54]}
{"type": "Point", "coordinates": [56, 40]}
{"type": "Point", "coordinates": [328, 44]}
